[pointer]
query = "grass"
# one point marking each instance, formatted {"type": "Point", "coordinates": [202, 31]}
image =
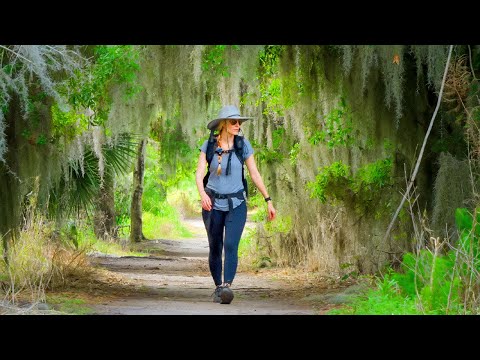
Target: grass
{"type": "Point", "coordinates": [170, 227]}
{"type": "Point", "coordinates": [114, 249]}
{"type": "Point", "coordinates": [378, 303]}
{"type": "Point", "coordinates": [68, 305]}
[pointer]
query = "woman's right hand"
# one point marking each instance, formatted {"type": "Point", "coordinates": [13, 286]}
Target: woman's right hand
{"type": "Point", "coordinates": [271, 211]}
{"type": "Point", "coordinates": [206, 201]}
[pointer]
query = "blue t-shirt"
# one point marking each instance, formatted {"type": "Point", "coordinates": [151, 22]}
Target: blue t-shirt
{"type": "Point", "coordinates": [224, 184]}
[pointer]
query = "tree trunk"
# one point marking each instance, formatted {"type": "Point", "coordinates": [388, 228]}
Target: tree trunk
{"type": "Point", "coordinates": [10, 178]}
{"type": "Point", "coordinates": [136, 232]}
{"type": "Point", "coordinates": [104, 221]}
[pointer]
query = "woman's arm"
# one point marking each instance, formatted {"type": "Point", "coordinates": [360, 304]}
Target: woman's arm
{"type": "Point", "coordinates": [202, 165]}
{"type": "Point", "coordinates": [257, 180]}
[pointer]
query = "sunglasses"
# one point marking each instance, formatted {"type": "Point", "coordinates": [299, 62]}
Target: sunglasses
{"type": "Point", "coordinates": [234, 122]}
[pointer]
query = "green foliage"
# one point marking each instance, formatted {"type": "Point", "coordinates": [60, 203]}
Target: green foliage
{"type": "Point", "coordinates": [332, 181]}
{"type": "Point", "coordinates": [256, 201]}
{"type": "Point", "coordinates": [294, 153]}
{"type": "Point", "coordinates": [246, 242]}
{"type": "Point", "coordinates": [250, 248]}
{"type": "Point", "coordinates": [161, 217]}
{"type": "Point", "coordinates": [372, 177]}
{"type": "Point", "coordinates": [469, 241]}
{"type": "Point", "coordinates": [385, 299]}
{"type": "Point", "coordinates": [271, 155]}
{"type": "Point", "coordinates": [395, 293]}
{"type": "Point", "coordinates": [438, 283]}
{"type": "Point", "coordinates": [67, 124]}
{"type": "Point", "coordinates": [87, 241]}
{"type": "Point", "coordinates": [432, 278]}
{"type": "Point", "coordinates": [34, 130]}
{"type": "Point", "coordinates": [281, 224]}
{"type": "Point", "coordinates": [119, 155]}
{"type": "Point", "coordinates": [370, 144]}
{"type": "Point", "coordinates": [120, 159]}
{"type": "Point", "coordinates": [271, 96]}
{"type": "Point", "coordinates": [348, 273]}
{"type": "Point", "coordinates": [4, 107]}
{"type": "Point", "coordinates": [388, 146]}
{"type": "Point", "coordinates": [335, 183]}
{"type": "Point", "coordinates": [278, 137]}
{"type": "Point", "coordinates": [464, 221]}
{"type": "Point", "coordinates": [78, 190]}
{"type": "Point", "coordinates": [270, 84]}
{"type": "Point", "coordinates": [336, 128]}
{"type": "Point", "coordinates": [69, 235]}
{"type": "Point", "coordinates": [177, 160]}
{"type": "Point", "coordinates": [114, 64]}
{"type": "Point", "coordinates": [154, 191]}
{"type": "Point", "coordinates": [33, 112]}
{"type": "Point", "coordinates": [123, 199]}
{"type": "Point", "coordinates": [214, 59]}
{"type": "Point", "coordinates": [293, 88]}
{"type": "Point", "coordinates": [268, 60]}
{"type": "Point", "coordinates": [41, 139]}
{"type": "Point", "coordinates": [165, 226]}
{"type": "Point", "coordinates": [30, 74]}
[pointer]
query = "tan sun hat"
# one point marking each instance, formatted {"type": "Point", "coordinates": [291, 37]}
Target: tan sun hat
{"type": "Point", "coordinates": [227, 112]}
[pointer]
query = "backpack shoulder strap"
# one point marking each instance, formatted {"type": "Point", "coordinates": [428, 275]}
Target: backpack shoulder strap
{"type": "Point", "coordinates": [238, 144]}
{"type": "Point", "coordinates": [211, 146]}
{"type": "Point", "coordinates": [212, 141]}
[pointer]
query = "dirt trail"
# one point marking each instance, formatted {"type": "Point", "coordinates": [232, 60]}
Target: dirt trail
{"type": "Point", "coordinates": [176, 281]}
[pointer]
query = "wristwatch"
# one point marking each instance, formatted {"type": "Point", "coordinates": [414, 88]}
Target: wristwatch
{"type": "Point", "coordinates": [267, 199]}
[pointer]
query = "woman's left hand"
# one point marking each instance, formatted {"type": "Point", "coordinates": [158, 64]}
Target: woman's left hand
{"type": "Point", "coordinates": [271, 211]}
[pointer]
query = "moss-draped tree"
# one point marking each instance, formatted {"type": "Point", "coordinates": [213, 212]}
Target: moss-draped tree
{"type": "Point", "coordinates": [335, 129]}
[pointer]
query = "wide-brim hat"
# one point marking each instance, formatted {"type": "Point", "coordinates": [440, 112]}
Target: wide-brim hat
{"type": "Point", "coordinates": [227, 112]}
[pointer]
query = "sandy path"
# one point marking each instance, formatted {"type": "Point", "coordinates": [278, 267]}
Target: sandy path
{"type": "Point", "coordinates": [178, 282]}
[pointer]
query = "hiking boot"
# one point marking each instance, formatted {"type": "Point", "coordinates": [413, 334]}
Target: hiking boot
{"type": "Point", "coordinates": [226, 296]}
{"type": "Point", "coordinates": [216, 294]}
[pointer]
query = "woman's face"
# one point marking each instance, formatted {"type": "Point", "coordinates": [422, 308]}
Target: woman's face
{"type": "Point", "coordinates": [233, 126]}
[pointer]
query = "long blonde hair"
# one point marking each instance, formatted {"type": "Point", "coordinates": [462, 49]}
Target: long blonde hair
{"type": "Point", "coordinates": [221, 125]}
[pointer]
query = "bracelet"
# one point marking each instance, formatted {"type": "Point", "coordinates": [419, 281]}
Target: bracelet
{"type": "Point", "coordinates": [268, 199]}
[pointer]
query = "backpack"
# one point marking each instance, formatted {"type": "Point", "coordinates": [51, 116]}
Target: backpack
{"type": "Point", "coordinates": [238, 144]}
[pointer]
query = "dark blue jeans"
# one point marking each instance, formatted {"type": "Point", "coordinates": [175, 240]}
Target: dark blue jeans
{"type": "Point", "coordinates": [216, 223]}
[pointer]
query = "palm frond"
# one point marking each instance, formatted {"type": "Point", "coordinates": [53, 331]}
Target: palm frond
{"type": "Point", "coordinates": [120, 155]}
{"type": "Point", "coordinates": [79, 191]}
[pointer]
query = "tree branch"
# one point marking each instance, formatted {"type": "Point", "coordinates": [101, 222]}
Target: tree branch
{"type": "Point", "coordinates": [15, 53]}
{"type": "Point", "coordinates": [420, 155]}
{"type": "Point", "coordinates": [471, 65]}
